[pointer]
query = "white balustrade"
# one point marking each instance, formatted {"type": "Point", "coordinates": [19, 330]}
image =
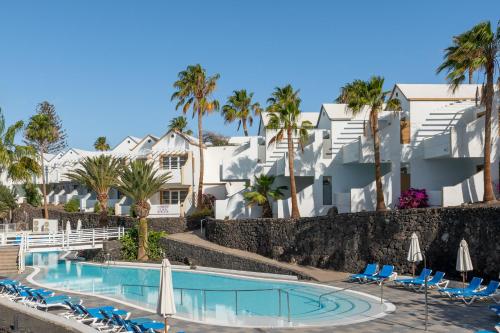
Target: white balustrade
{"type": "Point", "coordinates": [85, 238]}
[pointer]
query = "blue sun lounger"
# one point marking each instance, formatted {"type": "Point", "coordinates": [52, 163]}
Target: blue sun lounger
{"type": "Point", "coordinates": [474, 285]}
{"type": "Point", "coordinates": [385, 273]}
{"type": "Point", "coordinates": [437, 282]}
{"type": "Point", "coordinates": [370, 270]}
{"type": "Point", "coordinates": [488, 292]}
{"type": "Point", "coordinates": [129, 326]}
{"type": "Point", "coordinates": [424, 274]}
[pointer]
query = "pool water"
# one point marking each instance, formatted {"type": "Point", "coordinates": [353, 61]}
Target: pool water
{"type": "Point", "coordinates": [210, 297]}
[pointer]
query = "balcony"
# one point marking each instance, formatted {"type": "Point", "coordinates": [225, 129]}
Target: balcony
{"type": "Point", "coordinates": [361, 151]}
{"type": "Point", "coordinates": [459, 142]}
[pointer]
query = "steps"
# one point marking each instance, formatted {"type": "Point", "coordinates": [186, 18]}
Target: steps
{"type": "Point", "coordinates": [8, 259]}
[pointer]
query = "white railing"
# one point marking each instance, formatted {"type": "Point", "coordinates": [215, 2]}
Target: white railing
{"type": "Point", "coordinates": [84, 238]}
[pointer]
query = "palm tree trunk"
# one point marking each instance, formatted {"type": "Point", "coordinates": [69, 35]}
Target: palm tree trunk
{"type": "Point", "coordinates": [142, 251]}
{"type": "Point", "coordinates": [489, 196]}
{"type": "Point", "coordinates": [471, 75]}
{"type": "Point", "coordinates": [202, 160]}
{"type": "Point", "coordinates": [376, 152]}
{"type": "Point", "coordinates": [293, 189]}
{"type": "Point", "coordinates": [267, 211]}
{"type": "Point", "coordinates": [44, 189]}
{"type": "Point", "coordinates": [103, 214]}
{"type": "Point", "coordinates": [244, 124]}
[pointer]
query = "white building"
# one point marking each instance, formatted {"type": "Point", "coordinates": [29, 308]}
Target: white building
{"type": "Point", "coordinates": [436, 143]}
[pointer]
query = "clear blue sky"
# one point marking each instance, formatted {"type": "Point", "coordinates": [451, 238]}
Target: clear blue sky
{"type": "Point", "coordinates": [108, 66]}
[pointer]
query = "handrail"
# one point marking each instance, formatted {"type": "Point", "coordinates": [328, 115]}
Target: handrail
{"type": "Point", "coordinates": [235, 291]}
{"type": "Point", "coordinates": [340, 290]}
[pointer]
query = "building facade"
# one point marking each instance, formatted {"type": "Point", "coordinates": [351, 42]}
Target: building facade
{"type": "Point", "coordinates": [435, 143]}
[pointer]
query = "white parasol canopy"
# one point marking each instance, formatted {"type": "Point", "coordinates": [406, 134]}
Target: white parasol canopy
{"type": "Point", "coordinates": [414, 253]}
{"type": "Point", "coordinates": [166, 303]}
{"type": "Point", "coordinates": [464, 262]}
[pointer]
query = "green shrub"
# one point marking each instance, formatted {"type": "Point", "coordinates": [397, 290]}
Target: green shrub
{"type": "Point", "coordinates": [130, 243]}
{"type": "Point", "coordinates": [202, 213]}
{"type": "Point", "coordinates": [33, 197]}
{"type": "Point", "coordinates": [72, 206]}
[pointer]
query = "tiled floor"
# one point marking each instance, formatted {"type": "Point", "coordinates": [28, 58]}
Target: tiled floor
{"type": "Point", "coordinates": [444, 316]}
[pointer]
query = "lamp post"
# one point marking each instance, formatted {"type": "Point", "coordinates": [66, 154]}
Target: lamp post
{"type": "Point", "coordinates": [425, 291]}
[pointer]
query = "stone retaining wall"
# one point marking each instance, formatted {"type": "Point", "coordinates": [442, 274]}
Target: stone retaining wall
{"type": "Point", "coordinates": [347, 242]}
{"type": "Point", "coordinates": [25, 213]}
{"type": "Point", "coordinates": [16, 318]}
{"type": "Point", "coordinates": [198, 255]}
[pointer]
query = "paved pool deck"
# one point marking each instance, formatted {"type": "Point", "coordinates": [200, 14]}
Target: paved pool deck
{"type": "Point", "coordinates": [444, 315]}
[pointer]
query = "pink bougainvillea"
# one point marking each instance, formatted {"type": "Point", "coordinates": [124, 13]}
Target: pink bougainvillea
{"type": "Point", "coordinates": [413, 198]}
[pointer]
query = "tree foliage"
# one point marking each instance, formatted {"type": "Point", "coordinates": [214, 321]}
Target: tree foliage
{"type": "Point", "coordinates": [7, 201]}
{"type": "Point", "coordinates": [101, 144]}
{"type": "Point", "coordinates": [179, 124]}
{"type": "Point", "coordinates": [240, 107]}
{"type": "Point", "coordinates": [18, 161]}
{"type": "Point", "coordinates": [215, 139]}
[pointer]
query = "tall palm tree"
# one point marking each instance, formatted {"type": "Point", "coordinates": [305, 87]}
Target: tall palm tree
{"type": "Point", "coordinates": [99, 174]}
{"type": "Point", "coordinates": [140, 181]}
{"type": "Point", "coordinates": [240, 107]}
{"type": "Point", "coordinates": [101, 144]}
{"type": "Point", "coordinates": [194, 90]}
{"type": "Point", "coordinates": [18, 161]}
{"type": "Point", "coordinates": [284, 116]}
{"type": "Point", "coordinates": [479, 46]}
{"type": "Point", "coordinates": [261, 192]}
{"type": "Point", "coordinates": [360, 94]}
{"type": "Point", "coordinates": [179, 124]}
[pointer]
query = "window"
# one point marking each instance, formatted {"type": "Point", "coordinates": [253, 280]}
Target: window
{"type": "Point", "coordinates": [327, 190]}
{"type": "Point", "coordinates": [172, 162]}
{"type": "Point", "coordinates": [172, 197]}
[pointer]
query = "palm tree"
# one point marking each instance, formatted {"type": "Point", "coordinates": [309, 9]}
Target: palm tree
{"type": "Point", "coordinates": [100, 144]}
{"type": "Point", "coordinates": [140, 181]}
{"type": "Point", "coordinates": [18, 161]}
{"type": "Point", "coordinates": [179, 124]}
{"type": "Point", "coordinates": [100, 174]}
{"type": "Point", "coordinates": [194, 90]}
{"type": "Point", "coordinates": [284, 115]}
{"type": "Point", "coordinates": [479, 47]}
{"type": "Point", "coordinates": [260, 192]}
{"type": "Point", "coordinates": [360, 94]}
{"type": "Point", "coordinates": [239, 106]}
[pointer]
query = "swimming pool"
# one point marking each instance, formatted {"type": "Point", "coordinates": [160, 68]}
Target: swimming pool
{"type": "Point", "coordinates": [215, 298]}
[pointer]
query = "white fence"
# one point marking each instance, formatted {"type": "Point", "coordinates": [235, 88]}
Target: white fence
{"type": "Point", "coordinates": [74, 240]}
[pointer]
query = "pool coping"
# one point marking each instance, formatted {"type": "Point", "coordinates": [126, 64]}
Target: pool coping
{"type": "Point", "coordinates": [390, 307]}
{"type": "Point", "coordinates": [273, 276]}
